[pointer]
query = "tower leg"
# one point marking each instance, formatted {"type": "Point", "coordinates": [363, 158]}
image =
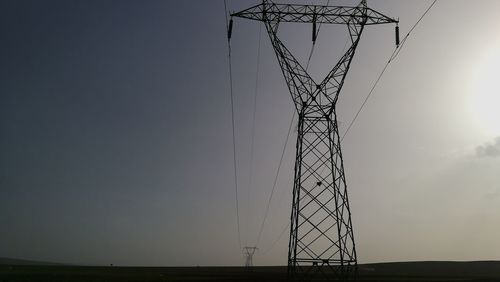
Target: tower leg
{"type": "Point", "coordinates": [321, 242]}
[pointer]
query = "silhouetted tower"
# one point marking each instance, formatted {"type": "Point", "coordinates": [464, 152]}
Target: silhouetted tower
{"type": "Point", "coordinates": [321, 242]}
{"type": "Point", "coordinates": [249, 251]}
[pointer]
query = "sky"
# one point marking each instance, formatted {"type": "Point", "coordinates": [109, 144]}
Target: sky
{"type": "Point", "coordinates": [116, 137]}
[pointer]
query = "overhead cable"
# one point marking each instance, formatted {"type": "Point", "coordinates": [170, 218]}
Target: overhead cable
{"type": "Point", "coordinates": [233, 127]}
{"type": "Point", "coordinates": [393, 56]}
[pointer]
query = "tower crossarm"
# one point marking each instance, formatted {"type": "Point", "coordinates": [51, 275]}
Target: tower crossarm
{"type": "Point", "coordinates": [314, 14]}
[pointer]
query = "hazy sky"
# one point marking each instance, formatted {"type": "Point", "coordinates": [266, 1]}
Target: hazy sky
{"type": "Point", "coordinates": [115, 132]}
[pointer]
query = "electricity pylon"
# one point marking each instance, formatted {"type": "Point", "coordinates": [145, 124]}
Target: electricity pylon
{"type": "Point", "coordinates": [321, 242]}
{"type": "Point", "coordinates": [249, 252]}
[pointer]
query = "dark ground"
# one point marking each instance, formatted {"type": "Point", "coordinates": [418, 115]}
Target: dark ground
{"type": "Point", "coordinates": [402, 271]}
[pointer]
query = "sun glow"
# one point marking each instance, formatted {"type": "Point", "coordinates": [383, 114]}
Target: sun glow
{"type": "Point", "coordinates": [485, 93]}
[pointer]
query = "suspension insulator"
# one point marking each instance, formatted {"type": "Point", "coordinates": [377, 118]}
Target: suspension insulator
{"type": "Point", "coordinates": [397, 35]}
{"type": "Point", "coordinates": [230, 29]}
{"type": "Point", "coordinates": [264, 11]}
{"type": "Point", "coordinates": [314, 32]}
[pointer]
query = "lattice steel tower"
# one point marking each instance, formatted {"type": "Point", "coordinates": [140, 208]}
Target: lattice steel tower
{"type": "Point", "coordinates": [249, 252]}
{"type": "Point", "coordinates": [321, 242]}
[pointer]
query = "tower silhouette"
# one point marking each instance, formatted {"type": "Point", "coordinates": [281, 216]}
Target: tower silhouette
{"type": "Point", "coordinates": [321, 242]}
{"type": "Point", "coordinates": [249, 252]}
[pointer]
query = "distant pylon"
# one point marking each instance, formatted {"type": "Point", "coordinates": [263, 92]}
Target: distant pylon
{"type": "Point", "coordinates": [248, 252]}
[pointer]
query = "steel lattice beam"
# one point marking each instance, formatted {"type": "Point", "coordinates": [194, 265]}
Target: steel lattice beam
{"type": "Point", "coordinates": [313, 13]}
{"type": "Point", "coordinates": [321, 242]}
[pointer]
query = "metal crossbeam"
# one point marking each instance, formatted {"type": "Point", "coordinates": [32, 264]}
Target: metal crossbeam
{"type": "Point", "coordinates": [321, 245]}
{"type": "Point", "coordinates": [313, 13]}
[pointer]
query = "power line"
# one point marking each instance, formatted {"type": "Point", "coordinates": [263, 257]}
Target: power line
{"type": "Point", "coordinates": [252, 146]}
{"type": "Point", "coordinates": [290, 181]}
{"type": "Point", "coordinates": [275, 180]}
{"type": "Point", "coordinates": [277, 239]}
{"type": "Point", "coordinates": [233, 127]}
{"type": "Point", "coordinates": [393, 56]}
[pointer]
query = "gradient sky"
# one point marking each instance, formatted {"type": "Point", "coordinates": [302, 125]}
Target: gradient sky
{"type": "Point", "coordinates": [115, 133]}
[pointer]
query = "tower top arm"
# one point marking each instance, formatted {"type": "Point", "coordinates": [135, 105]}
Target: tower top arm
{"type": "Point", "coordinates": [314, 14]}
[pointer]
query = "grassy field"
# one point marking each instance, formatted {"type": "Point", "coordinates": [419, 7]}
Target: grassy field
{"type": "Point", "coordinates": [409, 271]}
